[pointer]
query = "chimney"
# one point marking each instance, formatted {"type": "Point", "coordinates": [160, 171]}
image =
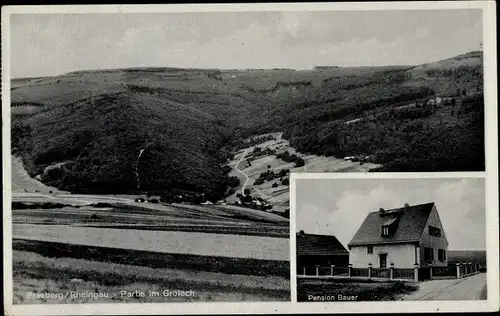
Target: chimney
{"type": "Point", "coordinates": [301, 233]}
{"type": "Point", "coordinates": [407, 205]}
{"type": "Point", "coordinates": [381, 210]}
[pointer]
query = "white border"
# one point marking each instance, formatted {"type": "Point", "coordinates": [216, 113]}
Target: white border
{"type": "Point", "coordinates": [337, 6]}
{"type": "Point", "coordinates": [492, 229]}
{"type": "Point", "coordinates": [489, 48]}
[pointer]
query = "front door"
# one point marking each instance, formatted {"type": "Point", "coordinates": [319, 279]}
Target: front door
{"type": "Point", "coordinates": [383, 260]}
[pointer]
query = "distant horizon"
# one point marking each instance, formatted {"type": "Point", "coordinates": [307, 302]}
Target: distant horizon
{"type": "Point", "coordinates": [47, 45]}
{"type": "Point", "coordinates": [244, 69]}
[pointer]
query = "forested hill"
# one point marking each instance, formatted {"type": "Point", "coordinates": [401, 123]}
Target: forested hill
{"type": "Point", "coordinates": [95, 123]}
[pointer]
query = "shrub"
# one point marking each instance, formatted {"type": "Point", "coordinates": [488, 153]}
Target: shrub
{"type": "Point", "coordinates": [300, 162]}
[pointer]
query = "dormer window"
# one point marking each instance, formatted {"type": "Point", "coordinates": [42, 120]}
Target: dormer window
{"type": "Point", "coordinates": [385, 230]}
{"type": "Point", "coordinates": [388, 227]}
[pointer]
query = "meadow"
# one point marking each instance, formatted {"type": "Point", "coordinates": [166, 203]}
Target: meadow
{"type": "Point", "coordinates": [36, 273]}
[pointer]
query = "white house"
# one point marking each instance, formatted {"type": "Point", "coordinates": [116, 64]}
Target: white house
{"type": "Point", "coordinates": [404, 237]}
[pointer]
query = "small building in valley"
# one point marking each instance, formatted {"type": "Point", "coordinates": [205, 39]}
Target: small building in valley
{"type": "Point", "coordinates": [323, 250]}
{"type": "Point", "coordinates": [403, 236]}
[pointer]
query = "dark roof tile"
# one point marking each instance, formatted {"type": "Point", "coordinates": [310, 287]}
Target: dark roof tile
{"type": "Point", "coordinates": [311, 244]}
{"type": "Point", "coordinates": [409, 228]}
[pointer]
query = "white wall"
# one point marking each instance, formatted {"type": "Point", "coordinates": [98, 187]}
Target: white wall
{"type": "Point", "coordinates": [432, 241]}
{"type": "Point", "coordinates": [402, 255]}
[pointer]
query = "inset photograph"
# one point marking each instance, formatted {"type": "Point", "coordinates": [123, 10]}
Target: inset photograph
{"type": "Point", "coordinates": [390, 239]}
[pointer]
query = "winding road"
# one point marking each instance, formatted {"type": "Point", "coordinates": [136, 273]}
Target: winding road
{"type": "Point", "coordinates": [238, 170]}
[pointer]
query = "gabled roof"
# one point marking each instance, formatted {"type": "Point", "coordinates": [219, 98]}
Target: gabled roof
{"type": "Point", "coordinates": [409, 228]}
{"type": "Point", "coordinates": [311, 244]}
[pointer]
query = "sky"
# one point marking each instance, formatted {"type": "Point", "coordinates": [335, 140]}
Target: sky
{"type": "Point", "coordinates": [52, 44]}
{"type": "Point", "coordinates": [339, 206]}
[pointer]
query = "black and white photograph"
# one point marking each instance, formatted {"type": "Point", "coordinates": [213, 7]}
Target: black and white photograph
{"type": "Point", "coordinates": [390, 239]}
{"type": "Point", "coordinates": [149, 150]}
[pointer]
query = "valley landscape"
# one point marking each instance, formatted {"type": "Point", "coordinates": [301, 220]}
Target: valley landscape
{"type": "Point", "coordinates": [163, 177]}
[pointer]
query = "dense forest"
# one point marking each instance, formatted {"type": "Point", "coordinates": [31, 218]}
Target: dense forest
{"type": "Point", "coordinates": [426, 138]}
{"type": "Point", "coordinates": [189, 122]}
{"type": "Point", "coordinates": [98, 146]}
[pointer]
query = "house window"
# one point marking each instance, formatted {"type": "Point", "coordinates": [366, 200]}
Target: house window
{"type": "Point", "coordinates": [385, 230]}
{"type": "Point", "coordinates": [428, 254]}
{"type": "Point", "coordinates": [369, 249]}
{"type": "Point", "coordinates": [441, 255]}
{"type": "Point", "coordinates": [434, 231]}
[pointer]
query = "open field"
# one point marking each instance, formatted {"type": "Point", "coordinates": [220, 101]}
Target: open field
{"type": "Point", "coordinates": [357, 290]}
{"type": "Point", "coordinates": [90, 236]}
{"type": "Point", "coordinates": [476, 256]}
{"type": "Point", "coordinates": [155, 259]}
{"type": "Point", "coordinates": [22, 182]}
{"type": "Point", "coordinates": [183, 237]}
{"type": "Point", "coordinates": [120, 220]}
{"type": "Point", "coordinates": [36, 273]}
{"type": "Point", "coordinates": [203, 244]}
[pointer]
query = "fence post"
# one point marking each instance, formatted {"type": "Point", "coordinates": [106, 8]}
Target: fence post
{"type": "Point", "coordinates": [470, 267]}
{"type": "Point", "coordinates": [391, 271]}
{"type": "Point", "coordinates": [458, 270]}
{"type": "Point", "coordinates": [369, 271]}
{"type": "Point", "coordinates": [304, 271]}
{"type": "Point", "coordinates": [350, 270]}
{"type": "Point", "coordinates": [415, 272]}
{"type": "Point", "coordinates": [317, 270]}
{"type": "Point", "coordinates": [430, 271]}
{"type": "Point", "coordinates": [331, 269]}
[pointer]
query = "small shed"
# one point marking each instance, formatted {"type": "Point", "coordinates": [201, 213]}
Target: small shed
{"type": "Point", "coordinates": [323, 250]}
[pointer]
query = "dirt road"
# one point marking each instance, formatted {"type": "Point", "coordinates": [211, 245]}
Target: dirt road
{"type": "Point", "coordinates": [469, 288]}
{"type": "Point", "coordinates": [245, 177]}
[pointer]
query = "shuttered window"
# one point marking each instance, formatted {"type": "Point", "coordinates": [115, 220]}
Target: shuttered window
{"type": "Point", "coordinates": [428, 254]}
{"type": "Point", "coordinates": [434, 231]}
{"type": "Point", "coordinates": [441, 255]}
